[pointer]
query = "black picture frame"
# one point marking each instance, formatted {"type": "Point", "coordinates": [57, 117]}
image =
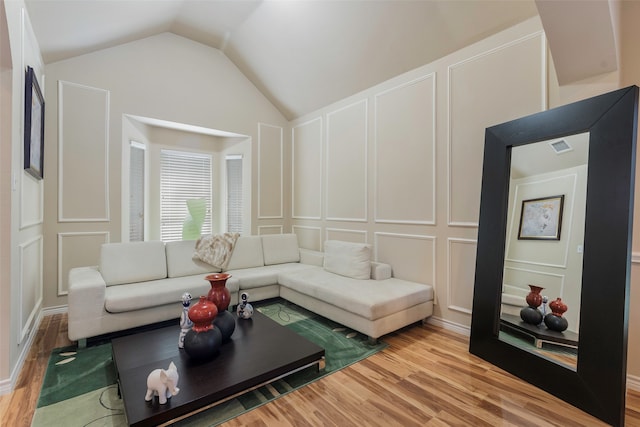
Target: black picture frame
{"type": "Point", "coordinates": [541, 219]}
{"type": "Point", "coordinates": [598, 384]}
{"type": "Point", "coordinates": [33, 126]}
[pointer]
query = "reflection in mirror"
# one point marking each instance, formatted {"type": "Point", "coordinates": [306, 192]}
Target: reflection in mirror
{"type": "Point", "coordinates": [544, 247]}
{"type": "Point", "coordinates": [598, 384]}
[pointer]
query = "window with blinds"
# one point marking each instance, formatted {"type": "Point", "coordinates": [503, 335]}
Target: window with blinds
{"type": "Point", "coordinates": [234, 193]}
{"type": "Point", "coordinates": [183, 176]}
{"type": "Point", "coordinates": [136, 192]}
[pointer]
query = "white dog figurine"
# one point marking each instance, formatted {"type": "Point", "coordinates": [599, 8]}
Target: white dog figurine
{"type": "Point", "coordinates": [162, 383]}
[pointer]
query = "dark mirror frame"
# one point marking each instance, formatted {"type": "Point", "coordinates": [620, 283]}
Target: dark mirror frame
{"type": "Point", "coordinates": [598, 385]}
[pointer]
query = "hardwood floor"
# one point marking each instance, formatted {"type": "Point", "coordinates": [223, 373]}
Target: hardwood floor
{"type": "Point", "coordinates": [426, 377]}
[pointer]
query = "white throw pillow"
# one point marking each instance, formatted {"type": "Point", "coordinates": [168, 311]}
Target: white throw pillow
{"type": "Point", "coordinates": [347, 259]}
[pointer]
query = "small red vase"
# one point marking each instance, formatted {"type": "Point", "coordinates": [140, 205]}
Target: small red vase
{"type": "Point", "coordinates": [202, 314]}
{"type": "Point", "coordinates": [219, 294]}
{"type": "Point", "coordinates": [558, 307]}
{"type": "Point", "coordinates": [534, 299]}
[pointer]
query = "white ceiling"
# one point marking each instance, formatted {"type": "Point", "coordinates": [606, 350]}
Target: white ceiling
{"type": "Point", "coordinates": [302, 54]}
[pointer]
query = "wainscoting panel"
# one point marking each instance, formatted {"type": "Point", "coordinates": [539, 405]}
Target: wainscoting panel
{"type": "Point", "coordinates": [269, 229]}
{"type": "Point", "coordinates": [517, 280]}
{"type": "Point", "coordinates": [83, 153]}
{"type": "Point", "coordinates": [461, 262]}
{"type": "Point", "coordinates": [30, 258]}
{"type": "Point", "coordinates": [347, 163]}
{"type": "Point", "coordinates": [77, 249]}
{"type": "Point", "coordinates": [486, 90]}
{"type": "Point", "coordinates": [31, 190]}
{"type": "Point", "coordinates": [355, 236]}
{"type": "Point", "coordinates": [270, 172]}
{"type": "Point", "coordinates": [308, 237]}
{"type": "Point", "coordinates": [405, 166]}
{"type": "Point", "coordinates": [31, 201]}
{"type": "Point", "coordinates": [306, 150]}
{"type": "Point", "coordinates": [412, 257]}
{"type": "Point", "coordinates": [553, 253]}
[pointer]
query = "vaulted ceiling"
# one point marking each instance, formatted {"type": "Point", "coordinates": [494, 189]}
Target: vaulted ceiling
{"type": "Point", "coordinates": [302, 54]}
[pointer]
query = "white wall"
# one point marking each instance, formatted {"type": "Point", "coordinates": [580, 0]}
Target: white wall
{"type": "Point", "coordinates": [21, 236]}
{"type": "Point", "coordinates": [91, 99]}
{"type": "Point", "coordinates": [506, 76]}
{"type": "Point", "coordinates": [399, 165]}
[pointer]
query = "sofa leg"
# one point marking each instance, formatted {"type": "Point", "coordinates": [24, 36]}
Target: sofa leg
{"type": "Point", "coordinates": [82, 343]}
{"type": "Point", "coordinates": [372, 341]}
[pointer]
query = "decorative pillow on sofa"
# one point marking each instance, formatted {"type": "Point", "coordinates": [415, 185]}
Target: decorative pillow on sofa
{"type": "Point", "coordinates": [348, 259]}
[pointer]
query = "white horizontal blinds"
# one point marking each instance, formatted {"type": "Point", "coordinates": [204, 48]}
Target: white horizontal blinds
{"type": "Point", "coordinates": [234, 193]}
{"type": "Point", "coordinates": [136, 192]}
{"type": "Point", "coordinates": [183, 176]}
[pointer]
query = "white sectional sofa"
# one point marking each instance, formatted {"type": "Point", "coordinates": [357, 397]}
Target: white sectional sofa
{"type": "Point", "coordinates": [141, 283]}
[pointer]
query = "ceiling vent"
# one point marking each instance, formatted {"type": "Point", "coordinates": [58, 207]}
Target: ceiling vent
{"type": "Point", "coordinates": [560, 146]}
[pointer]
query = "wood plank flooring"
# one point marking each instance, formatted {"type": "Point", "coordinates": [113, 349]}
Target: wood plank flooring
{"type": "Point", "coordinates": [426, 377]}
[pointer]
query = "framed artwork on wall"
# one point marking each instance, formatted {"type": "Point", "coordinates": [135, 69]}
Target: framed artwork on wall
{"type": "Point", "coordinates": [33, 126]}
{"type": "Point", "coordinates": [541, 219]}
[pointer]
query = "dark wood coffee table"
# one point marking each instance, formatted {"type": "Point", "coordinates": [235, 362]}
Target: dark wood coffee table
{"type": "Point", "coordinates": [260, 351]}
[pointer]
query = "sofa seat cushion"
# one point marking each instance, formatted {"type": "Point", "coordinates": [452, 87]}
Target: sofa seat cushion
{"type": "Point", "coordinates": [138, 296]}
{"type": "Point", "coordinates": [249, 278]}
{"type": "Point", "coordinates": [371, 299]}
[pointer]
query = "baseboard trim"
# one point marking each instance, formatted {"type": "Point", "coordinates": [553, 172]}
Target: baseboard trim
{"type": "Point", "coordinates": [449, 325]}
{"type": "Point", "coordinates": [8, 385]}
{"type": "Point", "coordinates": [49, 311]}
{"type": "Point", "coordinates": [633, 382]}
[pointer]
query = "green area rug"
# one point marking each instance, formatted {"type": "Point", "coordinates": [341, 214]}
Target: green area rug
{"type": "Point", "coordinates": [79, 385]}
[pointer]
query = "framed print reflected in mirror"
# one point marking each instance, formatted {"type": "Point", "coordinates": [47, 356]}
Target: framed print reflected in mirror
{"type": "Point", "coordinates": [541, 219]}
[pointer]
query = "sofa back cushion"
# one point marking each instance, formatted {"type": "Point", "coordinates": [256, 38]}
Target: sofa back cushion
{"type": "Point", "coordinates": [280, 248]}
{"type": "Point", "coordinates": [247, 253]}
{"type": "Point", "coordinates": [348, 259]}
{"type": "Point", "coordinates": [180, 260]}
{"type": "Point", "coordinates": [132, 262]}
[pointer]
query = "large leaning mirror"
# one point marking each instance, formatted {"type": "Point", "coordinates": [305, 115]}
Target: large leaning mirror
{"type": "Point", "coordinates": [555, 220]}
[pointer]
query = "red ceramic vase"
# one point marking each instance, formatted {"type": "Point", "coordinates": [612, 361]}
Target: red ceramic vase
{"type": "Point", "coordinates": [202, 314]}
{"type": "Point", "coordinates": [219, 294]}
{"type": "Point", "coordinates": [558, 307]}
{"type": "Point", "coordinates": [534, 299]}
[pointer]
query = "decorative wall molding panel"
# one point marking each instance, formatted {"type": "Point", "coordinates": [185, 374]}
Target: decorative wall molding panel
{"type": "Point", "coordinates": [355, 236]}
{"type": "Point", "coordinates": [78, 249]}
{"type": "Point", "coordinates": [461, 261]}
{"type": "Point", "coordinates": [31, 281]}
{"type": "Point", "coordinates": [306, 170]}
{"type": "Point", "coordinates": [83, 153]}
{"type": "Point", "coordinates": [346, 166]}
{"type": "Point", "coordinates": [411, 254]}
{"type": "Point", "coordinates": [511, 92]}
{"type": "Point", "coordinates": [31, 189]}
{"type": "Point", "coordinates": [532, 252]}
{"type": "Point", "coordinates": [308, 237]}
{"type": "Point", "coordinates": [405, 153]}
{"type": "Point", "coordinates": [270, 171]}
{"type": "Point", "coordinates": [31, 201]}
{"type": "Point", "coordinates": [269, 229]}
